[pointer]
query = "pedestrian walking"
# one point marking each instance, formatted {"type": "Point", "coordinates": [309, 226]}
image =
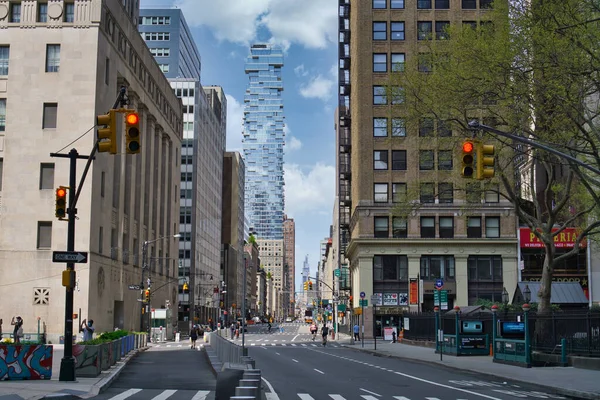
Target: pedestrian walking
{"type": "Point", "coordinates": [324, 332]}
{"type": "Point", "coordinates": [88, 329]}
{"type": "Point", "coordinates": [356, 330]}
{"type": "Point", "coordinates": [18, 330]}
{"type": "Point", "coordinates": [394, 336]}
{"type": "Point", "coordinates": [194, 336]}
{"type": "Point", "coordinates": [232, 329]}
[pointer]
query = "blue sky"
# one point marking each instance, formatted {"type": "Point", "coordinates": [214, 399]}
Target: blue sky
{"type": "Point", "coordinates": [307, 30]}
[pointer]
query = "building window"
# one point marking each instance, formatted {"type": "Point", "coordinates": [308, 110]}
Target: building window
{"type": "Point", "coordinates": [157, 36]}
{"type": "Point", "coordinates": [469, 4]}
{"type": "Point", "coordinates": [399, 160]}
{"type": "Point", "coordinates": [42, 12]}
{"type": "Point", "coordinates": [102, 182]}
{"type": "Point", "coordinates": [424, 29]}
{"type": "Point", "coordinates": [446, 193]}
{"type": "Point", "coordinates": [423, 4]}
{"type": "Point", "coordinates": [380, 127]}
{"type": "Point", "coordinates": [492, 227]}
{"type": "Point", "coordinates": [379, 4]}
{"type": "Point", "coordinates": [390, 268]}
{"type": "Point", "coordinates": [15, 12]}
{"type": "Point", "coordinates": [381, 227]}
{"type": "Point", "coordinates": [1, 172]}
{"type": "Point", "coordinates": [470, 24]}
{"type": "Point", "coordinates": [446, 227]}
{"type": "Point", "coordinates": [69, 15]}
{"type": "Point", "coordinates": [492, 195]}
{"type": "Point", "coordinates": [485, 4]}
{"type": "Point", "coordinates": [444, 129]}
{"type": "Point", "coordinates": [380, 159]}
{"type": "Point", "coordinates": [398, 127]}
{"type": "Point", "coordinates": [441, 30]}
{"type": "Point", "coordinates": [379, 30]}
{"type": "Point", "coordinates": [473, 192]}
{"type": "Point", "coordinates": [427, 193]}
{"type": "Point", "coordinates": [2, 115]}
{"type": "Point", "coordinates": [428, 227]}
{"type": "Point", "coordinates": [49, 117]}
{"type": "Point", "coordinates": [379, 62]}
{"type": "Point", "coordinates": [399, 227]}
{"type": "Point", "coordinates": [399, 192]}
{"type": "Point", "coordinates": [52, 57]}
{"type": "Point", "coordinates": [474, 227]}
{"type": "Point", "coordinates": [425, 63]}
{"type": "Point", "coordinates": [161, 52]}
{"type": "Point", "coordinates": [397, 95]}
{"type": "Point", "coordinates": [165, 68]}
{"type": "Point", "coordinates": [155, 20]}
{"type": "Point", "coordinates": [484, 268]}
{"type": "Point", "coordinates": [442, 4]}
{"type": "Point", "coordinates": [4, 54]}
{"type": "Point", "coordinates": [381, 192]}
{"type": "Point", "coordinates": [426, 127]}
{"type": "Point", "coordinates": [397, 4]}
{"type": "Point", "coordinates": [398, 61]}
{"type": "Point", "coordinates": [100, 240]}
{"type": "Point", "coordinates": [426, 160]}
{"type": "Point", "coordinates": [437, 267]}
{"type": "Point", "coordinates": [445, 160]}
{"type": "Point", "coordinates": [44, 235]}
{"type": "Point", "coordinates": [379, 95]}
{"type": "Point", "coordinates": [46, 176]}
{"type": "Point", "coordinates": [397, 30]}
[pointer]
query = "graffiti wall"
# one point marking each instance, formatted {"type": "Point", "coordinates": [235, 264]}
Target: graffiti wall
{"type": "Point", "coordinates": [25, 362]}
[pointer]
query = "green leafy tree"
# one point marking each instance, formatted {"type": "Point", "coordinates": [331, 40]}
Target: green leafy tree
{"type": "Point", "coordinates": [531, 68]}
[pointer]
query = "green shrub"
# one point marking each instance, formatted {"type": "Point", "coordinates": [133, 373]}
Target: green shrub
{"type": "Point", "coordinates": [113, 335]}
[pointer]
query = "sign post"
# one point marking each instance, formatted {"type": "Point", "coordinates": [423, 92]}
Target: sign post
{"type": "Point", "coordinates": [362, 305]}
{"type": "Point", "coordinates": [439, 284]}
{"type": "Point", "coordinates": [375, 300]}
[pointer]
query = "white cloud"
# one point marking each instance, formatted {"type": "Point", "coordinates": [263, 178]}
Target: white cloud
{"type": "Point", "coordinates": [300, 71]}
{"type": "Point", "coordinates": [235, 113]}
{"type": "Point", "coordinates": [319, 87]}
{"type": "Point", "coordinates": [292, 143]}
{"type": "Point", "coordinates": [311, 23]}
{"type": "Point", "coordinates": [309, 192]}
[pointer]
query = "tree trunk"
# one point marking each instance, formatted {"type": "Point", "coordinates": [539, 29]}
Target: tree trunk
{"type": "Point", "coordinates": [545, 293]}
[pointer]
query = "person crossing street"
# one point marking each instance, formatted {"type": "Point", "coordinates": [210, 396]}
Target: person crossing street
{"type": "Point", "coordinates": [324, 332]}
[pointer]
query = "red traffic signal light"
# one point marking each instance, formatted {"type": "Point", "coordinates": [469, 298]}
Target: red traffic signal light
{"type": "Point", "coordinates": [132, 118]}
{"type": "Point", "coordinates": [467, 147]}
{"type": "Point", "coordinates": [61, 202]}
{"type": "Point", "coordinates": [132, 133]}
{"type": "Point", "coordinates": [468, 158]}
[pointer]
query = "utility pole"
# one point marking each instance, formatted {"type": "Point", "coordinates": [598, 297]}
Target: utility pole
{"type": "Point", "coordinates": [244, 352]}
{"type": "Point", "coordinates": [144, 266]}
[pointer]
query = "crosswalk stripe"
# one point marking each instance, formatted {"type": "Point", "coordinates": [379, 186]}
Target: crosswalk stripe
{"type": "Point", "coordinates": [368, 397]}
{"type": "Point", "coordinates": [432, 398]}
{"type": "Point", "coordinates": [337, 397]}
{"type": "Point", "coordinates": [201, 395]}
{"type": "Point", "coordinates": [165, 395]}
{"type": "Point", "coordinates": [126, 394]}
{"type": "Point", "coordinates": [401, 398]}
{"type": "Point", "coordinates": [305, 396]}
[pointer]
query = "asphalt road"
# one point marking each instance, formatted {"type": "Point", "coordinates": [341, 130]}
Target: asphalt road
{"type": "Point", "coordinates": [175, 372]}
{"type": "Point", "coordinates": [340, 373]}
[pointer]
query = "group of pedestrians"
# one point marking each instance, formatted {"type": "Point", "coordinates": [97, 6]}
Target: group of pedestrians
{"type": "Point", "coordinates": [324, 332]}
{"type": "Point", "coordinates": [17, 330]}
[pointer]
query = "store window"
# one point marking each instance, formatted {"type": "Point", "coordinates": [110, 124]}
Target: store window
{"type": "Point", "coordinates": [390, 268]}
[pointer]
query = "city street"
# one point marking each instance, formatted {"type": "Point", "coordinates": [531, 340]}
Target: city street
{"type": "Point", "coordinates": [293, 335]}
{"type": "Point", "coordinates": [170, 370]}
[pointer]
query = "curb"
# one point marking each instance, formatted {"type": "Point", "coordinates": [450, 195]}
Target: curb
{"type": "Point", "coordinates": [103, 384]}
{"type": "Point", "coordinates": [552, 389]}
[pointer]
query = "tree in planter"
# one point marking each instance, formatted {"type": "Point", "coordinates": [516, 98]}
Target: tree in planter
{"type": "Point", "coordinates": [531, 70]}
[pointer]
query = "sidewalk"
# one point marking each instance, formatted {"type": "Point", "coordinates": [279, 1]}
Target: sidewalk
{"type": "Point", "coordinates": [81, 388]}
{"type": "Point", "coordinates": [567, 381]}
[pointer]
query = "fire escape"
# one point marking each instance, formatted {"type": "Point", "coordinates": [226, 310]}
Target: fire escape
{"type": "Point", "coordinates": [344, 177]}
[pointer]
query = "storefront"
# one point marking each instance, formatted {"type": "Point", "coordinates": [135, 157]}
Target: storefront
{"type": "Point", "coordinates": [572, 269]}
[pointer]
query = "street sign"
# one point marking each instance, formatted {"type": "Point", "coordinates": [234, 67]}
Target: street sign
{"type": "Point", "coordinates": [362, 295]}
{"type": "Point", "coordinates": [80, 257]}
{"type": "Point", "coordinates": [439, 284]}
{"type": "Point", "coordinates": [341, 307]}
{"type": "Point", "coordinates": [337, 272]}
{"type": "Point", "coordinates": [444, 299]}
{"type": "Point", "coordinates": [363, 303]}
{"type": "Point", "coordinates": [374, 299]}
{"type": "Point", "coordinates": [134, 287]}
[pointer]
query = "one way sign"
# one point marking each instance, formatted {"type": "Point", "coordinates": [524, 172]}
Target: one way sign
{"type": "Point", "coordinates": [70, 257]}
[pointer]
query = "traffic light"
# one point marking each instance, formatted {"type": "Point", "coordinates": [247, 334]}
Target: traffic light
{"type": "Point", "coordinates": [147, 295]}
{"type": "Point", "coordinates": [310, 285]}
{"type": "Point", "coordinates": [107, 135]}
{"type": "Point", "coordinates": [485, 161]}
{"type": "Point", "coordinates": [186, 288]}
{"type": "Point", "coordinates": [468, 158]}
{"type": "Point", "coordinates": [305, 286]}
{"type": "Point", "coordinates": [61, 202]}
{"type": "Point", "coordinates": [132, 133]}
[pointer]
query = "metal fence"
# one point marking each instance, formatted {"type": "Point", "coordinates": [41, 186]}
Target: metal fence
{"type": "Point", "coordinates": [580, 329]}
{"type": "Point", "coordinates": [226, 351]}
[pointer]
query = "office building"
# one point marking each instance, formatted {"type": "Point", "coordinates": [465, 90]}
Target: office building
{"type": "Point", "coordinates": [263, 141]}
{"type": "Point", "coordinates": [289, 249]}
{"type": "Point", "coordinates": [61, 65]}
{"type": "Point", "coordinates": [454, 232]}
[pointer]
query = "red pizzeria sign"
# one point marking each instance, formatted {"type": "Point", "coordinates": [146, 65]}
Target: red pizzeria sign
{"type": "Point", "coordinates": [565, 239]}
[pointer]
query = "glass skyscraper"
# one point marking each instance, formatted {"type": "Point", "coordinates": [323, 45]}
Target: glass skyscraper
{"type": "Point", "coordinates": [263, 141]}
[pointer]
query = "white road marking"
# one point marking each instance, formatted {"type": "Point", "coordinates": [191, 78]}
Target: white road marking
{"type": "Point", "coordinates": [277, 353]}
{"type": "Point", "coordinates": [201, 395]}
{"type": "Point", "coordinates": [272, 395]}
{"type": "Point", "coordinates": [321, 372]}
{"type": "Point", "coordinates": [294, 360]}
{"type": "Point", "coordinates": [401, 398]}
{"type": "Point", "coordinates": [432, 398]}
{"type": "Point", "coordinates": [368, 391]}
{"type": "Point", "coordinates": [367, 397]}
{"type": "Point", "coordinates": [126, 394]}
{"type": "Point", "coordinates": [295, 337]}
{"type": "Point", "coordinates": [165, 395]}
{"type": "Point", "coordinates": [305, 396]}
{"type": "Point", "coordinates": [252, 344]}
{"type": "Point", "coordinates": [337, 397]}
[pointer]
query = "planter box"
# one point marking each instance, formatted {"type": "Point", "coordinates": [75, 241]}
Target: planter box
{"type": "Point", "coordinates": [105, 361]}
{"type": "Point", "coordinates": [28, 361]}
{"type": "Point", "coordinates": [88, 360]}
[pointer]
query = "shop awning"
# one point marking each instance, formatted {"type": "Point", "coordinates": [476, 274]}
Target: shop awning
{"type": "Point", "coordinates": [562, 293]}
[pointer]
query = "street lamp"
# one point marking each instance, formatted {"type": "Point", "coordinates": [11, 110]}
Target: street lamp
{"type": "Point", "coordinates": [144, 268]}
{"type": "Point", "coordinates": [527, 294]}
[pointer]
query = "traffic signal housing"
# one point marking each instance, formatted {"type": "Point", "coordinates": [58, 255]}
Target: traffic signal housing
{"type": "Point", "coordinates": [186, 288]}
{"type": "Point", "coordinates": [147, 295]}
{"type": "Point", "coordinates": [305, 286]}
{"type": "Point", "coordinates": [107, 135]}
{"type": "Point", "coordinates": [61, 202]}
{"type": "Point", "coordinates": [310, 285]}
{"type": "Point", "coordinates": [485, 161]}
{"type": "Point", "coordinates": [132, 133]}
{"type": "Point", "coordinates": [468, 158]}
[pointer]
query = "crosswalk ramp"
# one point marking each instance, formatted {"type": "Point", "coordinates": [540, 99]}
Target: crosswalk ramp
{"type": "Point", "coordinates": [156, 394]}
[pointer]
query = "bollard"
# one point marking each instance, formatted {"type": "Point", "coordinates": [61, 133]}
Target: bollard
{"type": "Point", "coordinates": [563, 352]}
{"type": "Point", "coordinates": [249, 383]}
{"type": "Point", "coordinates": [246, 391]}
{"type": "Point", "coordinates": [242, 398]}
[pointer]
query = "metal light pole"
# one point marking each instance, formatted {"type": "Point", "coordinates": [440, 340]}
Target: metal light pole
{"type": "Point", "coordinates": [244, 309]}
